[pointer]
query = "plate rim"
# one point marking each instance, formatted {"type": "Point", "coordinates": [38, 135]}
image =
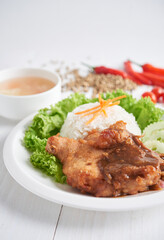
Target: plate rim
{"type": "Point", "coordinates": [70, 199]}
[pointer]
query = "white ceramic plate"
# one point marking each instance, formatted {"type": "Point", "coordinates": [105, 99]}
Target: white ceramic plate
{"type": "Point", "coordinates": [16, 159]}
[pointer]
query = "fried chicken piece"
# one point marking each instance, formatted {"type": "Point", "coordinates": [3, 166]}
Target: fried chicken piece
{"type": "Point", "coordinates": [80, 164]}
{"type": "Point", "coordinates": [110, 163]}
{"type": "Point", "coordinates": [162, 165]}
{"type": "Point", "coordinates": [108, 137]}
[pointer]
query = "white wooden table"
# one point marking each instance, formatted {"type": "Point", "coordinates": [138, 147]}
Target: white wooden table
{"type": "Point", "coordinates": [31, 34]}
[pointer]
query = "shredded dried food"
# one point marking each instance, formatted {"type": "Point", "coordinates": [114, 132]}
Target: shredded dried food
{"type": "Point", "coordinates": [99, 83]}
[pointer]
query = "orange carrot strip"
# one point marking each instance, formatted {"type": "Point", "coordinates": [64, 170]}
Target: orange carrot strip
{"type": "Point", "coordinates": [101, 101]}
{"type": "Point", "coordinates": [105, 113]}
{"type": "Point", "coordinates": [93, 117]}
{"type": "Point", "coordinates": [88, 110]}
{"type": "Point", "coordinates": [109, 100]}
{"type": "Point", "coordinates": [117, 98]}
{"type": "Point", "coordinates": [100, 98]}
{"type": "Point", "coordinates": [120, 97]}
{"type": "Point", "coordinates": [115, 103]}
{"type": "Point", "coordinates": [90, 113]}
{"type": "Point", "coordinates": [106, 104]}
{"type": "Point", "coordinates": [94, 112]}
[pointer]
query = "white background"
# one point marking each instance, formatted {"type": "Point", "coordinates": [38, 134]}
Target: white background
{"type": "Point", "coordinates": [100, 32]}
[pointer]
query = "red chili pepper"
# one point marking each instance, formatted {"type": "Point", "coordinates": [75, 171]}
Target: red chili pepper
{"type": "Point", "coordinates": [105, 70]}
{"type": "Point", "coordinates": [137, 77]}
{"type": "Point", "coordinates": [151, 69]}
{"type": "Point", "coordinates": [134, 79]}
{"type": "Point", "coordinates": [156, 79]}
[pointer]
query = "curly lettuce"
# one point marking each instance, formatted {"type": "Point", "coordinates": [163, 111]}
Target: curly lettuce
{"type": "Point", "coordinates": [146, 112]}
{"type": "Point", "coordinates": [46, 123]}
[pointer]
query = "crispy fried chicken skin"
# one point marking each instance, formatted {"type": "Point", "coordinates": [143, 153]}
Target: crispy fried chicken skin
{"type": "Point", "coordinates": [110, 163]}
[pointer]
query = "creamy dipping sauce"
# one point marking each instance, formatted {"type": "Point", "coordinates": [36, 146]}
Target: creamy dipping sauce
{"type": "Point", "coordinates": [25, 86]}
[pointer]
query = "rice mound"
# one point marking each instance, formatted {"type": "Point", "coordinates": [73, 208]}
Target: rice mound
{"type": "Point", "coordinates": [75, 127]}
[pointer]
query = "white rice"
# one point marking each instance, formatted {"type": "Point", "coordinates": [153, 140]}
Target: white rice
{"type": "Point", "coordinates": [75, 127]}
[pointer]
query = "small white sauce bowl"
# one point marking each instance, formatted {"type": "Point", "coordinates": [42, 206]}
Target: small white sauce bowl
{"type": "Point", "coordinates": [18, 107]}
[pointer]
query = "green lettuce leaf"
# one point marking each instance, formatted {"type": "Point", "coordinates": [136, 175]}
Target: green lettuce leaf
{"type": "Point", "coordinates": [146, 112]}
{"type": "Point", "coordinates": [48, 164]}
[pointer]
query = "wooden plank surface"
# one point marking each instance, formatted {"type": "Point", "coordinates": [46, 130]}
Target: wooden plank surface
{"type": "Point", "coordinates": [22, 214]}
{"type": "Point", "coordinates": [79, 224]}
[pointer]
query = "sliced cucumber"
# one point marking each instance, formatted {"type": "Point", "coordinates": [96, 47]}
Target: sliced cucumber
{"type": "Point", "coordinates": [157, 135]}
{"type": "Point", "coordinates": [155, 145]}
{"type": "Point", "coordinates": [154, 131]}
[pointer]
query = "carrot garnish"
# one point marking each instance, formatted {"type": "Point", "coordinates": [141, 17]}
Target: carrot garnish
{"type": "Point", "coordinates": [105, 113]}
{"type": "Point", "coordinates": [100, 99]}
{"type": "Point", "coordinates": [93, 117]}
{"type": "Point", "coordinates": [112, 104]}
{"type": "Point", "coordinates": [117, 98]}
{"type": "Point", "coordinates": [89, 113]}
{"type": "Point", "coordinates": [100, 108]}
{"type": "Point", "coordinates": [88, 110]}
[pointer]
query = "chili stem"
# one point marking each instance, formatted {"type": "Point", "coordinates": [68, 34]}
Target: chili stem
{"type": "Point", "coordinates": [87, 65]}
{"type": "Point", "coordinates": [135, 63]}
